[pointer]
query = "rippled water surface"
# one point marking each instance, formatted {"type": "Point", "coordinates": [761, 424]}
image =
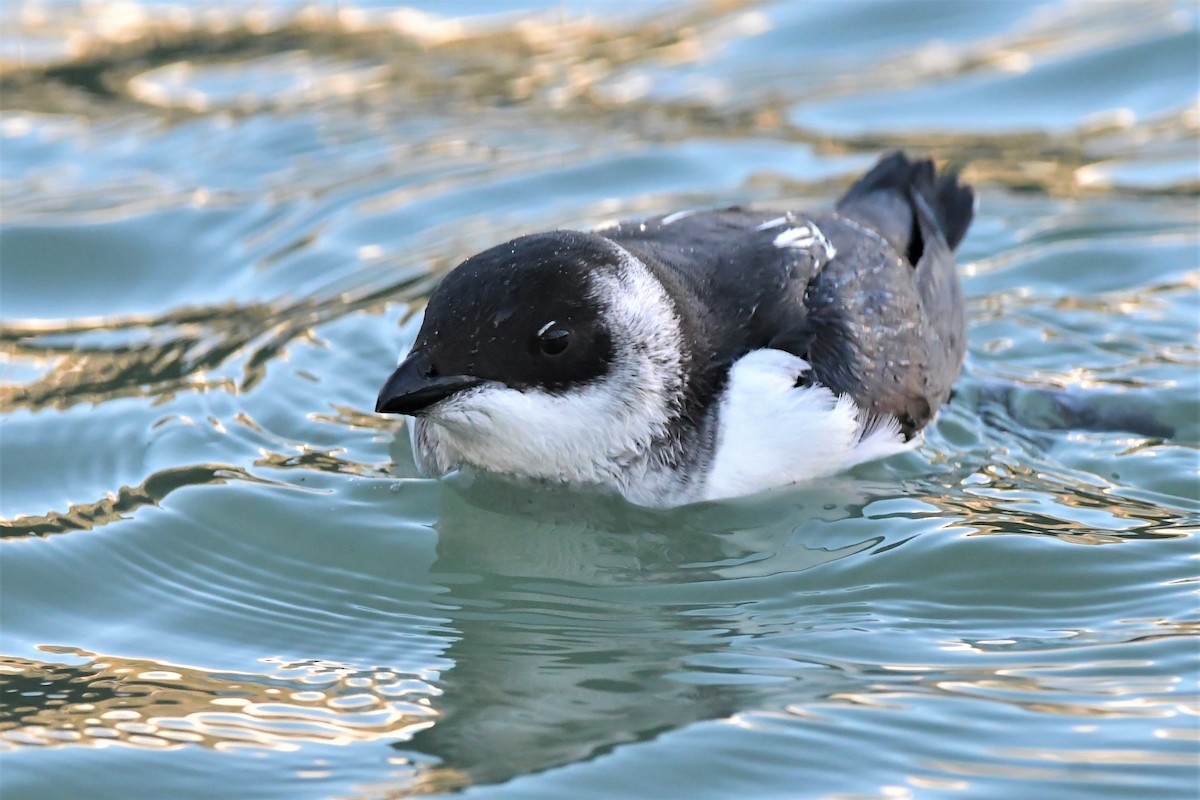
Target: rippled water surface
{"type": "Point", "coordinates": [221, 578]}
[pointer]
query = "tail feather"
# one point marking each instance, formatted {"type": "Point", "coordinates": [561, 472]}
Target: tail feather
{"type": "Point", "coordinates": [955, 208]}
{"type": "Point", "coordinates": [885, 200]}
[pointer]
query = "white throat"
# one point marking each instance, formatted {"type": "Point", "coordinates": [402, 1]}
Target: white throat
{"type": "Point", "coordinates": [606, 433]}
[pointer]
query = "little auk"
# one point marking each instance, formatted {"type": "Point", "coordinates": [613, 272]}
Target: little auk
{"type": "Point", "coordinates": [700, 355]}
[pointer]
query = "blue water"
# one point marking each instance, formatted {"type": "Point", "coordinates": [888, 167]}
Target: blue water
{"type": "Point", "coordinates": [221, 576]}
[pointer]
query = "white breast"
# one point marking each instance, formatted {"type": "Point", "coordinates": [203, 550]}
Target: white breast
{"type": "Point", "coordinates": [772, 433]}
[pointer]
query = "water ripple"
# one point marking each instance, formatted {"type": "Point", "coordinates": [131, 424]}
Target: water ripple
{"type": "Point", "coordinates": [191, 348]}
{"type": "Point", "coordinates": [107, 700]}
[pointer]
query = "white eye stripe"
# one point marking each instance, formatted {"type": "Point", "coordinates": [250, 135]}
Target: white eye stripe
{"type": "Point", "coordinates": [547, 326]}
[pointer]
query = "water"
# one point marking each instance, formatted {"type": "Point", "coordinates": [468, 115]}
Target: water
{"type": "Point", "coordinates": [221, 577]}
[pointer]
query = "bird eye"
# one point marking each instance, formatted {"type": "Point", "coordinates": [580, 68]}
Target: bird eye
{"type": "Point", "coordinates": [552, 340]}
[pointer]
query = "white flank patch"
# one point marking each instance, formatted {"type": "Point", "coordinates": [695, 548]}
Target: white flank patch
{"type": "Point", "coordinates": [801, 236]}
{"type": "Point", "coordinates": [804, 236]}
{"type": "Point", "coordinates": [826, 245]}
{"type": "Point", "coordinates": [678, 215]}
{"type": "Point", "coordinates": [597, 434]}
{"type": "Point", "coordinates": [773, 433]}
{"type": "Point", "coordinates": [774, 223]}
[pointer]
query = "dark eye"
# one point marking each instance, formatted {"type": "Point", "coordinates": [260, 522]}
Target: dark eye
{"type": "Point", "coordinates": [552, 339]}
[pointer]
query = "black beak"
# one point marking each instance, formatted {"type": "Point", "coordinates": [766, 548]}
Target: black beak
{"type": "Point", "coordinates": [413, 387]}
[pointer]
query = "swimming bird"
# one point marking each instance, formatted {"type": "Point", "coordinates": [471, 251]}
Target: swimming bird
{"type": "Point", "coordinates": [700, 355]}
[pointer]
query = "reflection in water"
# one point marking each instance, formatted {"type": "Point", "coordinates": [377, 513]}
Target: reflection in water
{"type": "Point", "coordinates": [1024, 499]}
{"type": "Point", "coordinates": [573, 611]}
{"type": "Point", "coordinates": [561, 69]}
{"type": "Point", "coordinates": [142, 703]}
{"type": "Point", "coordinates": [581, 624]}
{"type": "Point", "coordinates": [172, 353]}
{"type": "Point", "coordinates": [86, 516]}
{"type": "Point", "coordinates": [569, 610]}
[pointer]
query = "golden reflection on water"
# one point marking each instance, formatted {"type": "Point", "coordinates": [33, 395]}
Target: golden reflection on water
{"type": "Point", "coordinates": [142, 703]}
{"type": "Point", "coordinates": [1018, 498]}
{"type": "Point", "coordinates": [1044, 689]}
{"type": "Point", "coordinates": [171, 60]}
{"type": "Point", "coordinates": [126, 500]}
{"type": "Point", "coordinates": [171, 353]}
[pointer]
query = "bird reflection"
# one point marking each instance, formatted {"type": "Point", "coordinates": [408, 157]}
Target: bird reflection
{"type": "Point", "coordinates": [586, 623]}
